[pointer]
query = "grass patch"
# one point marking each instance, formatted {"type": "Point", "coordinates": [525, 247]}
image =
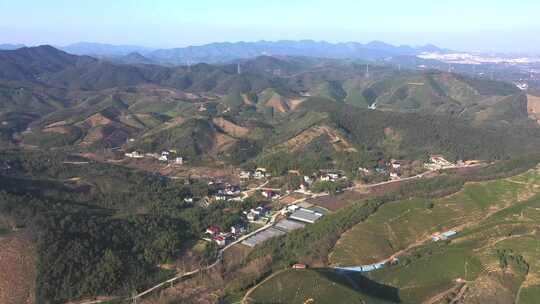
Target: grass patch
{"type": "Point", "coordinates": [530, 295]}
{"type": "Point", "coordinates": [4, 231]}
{"type": "Point", "coordinates": [497, 218]}
{"type": "Point", "coordinates": [320, 286]}
{"type": "Point", "coordinates": [396, 225]}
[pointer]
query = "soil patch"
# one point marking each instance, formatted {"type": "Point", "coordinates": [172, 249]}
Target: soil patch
{"type": "Point", "coordinates": [230, 128]}
{"type": "Point", "coordinates": [17, 269]}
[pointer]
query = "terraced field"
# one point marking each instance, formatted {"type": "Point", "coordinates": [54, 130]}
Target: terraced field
{"type": "Point", "coordinates": [399, 224]}
{"type": "Point", "coordinates": [495, 258]}
{"type": "Point", "coordinates": [319, 286]}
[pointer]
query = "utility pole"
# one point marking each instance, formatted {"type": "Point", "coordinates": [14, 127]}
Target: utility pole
{"type": "Point", "coordinates": [367, 70]}
{"type": "Point", "coordinates": [134, 297]}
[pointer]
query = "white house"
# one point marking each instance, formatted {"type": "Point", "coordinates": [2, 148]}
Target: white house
{"type": "Point", "coordinates": [220, 197]}
{"type": "Point", "coordinates": [308, 179]}
{"type": "Point", "coordinates": [363, 170]}
{"type": "Point", "coordinates": [330, 177]}
{"type": "Point", "coordinates": [245, 175]}
{"type": "Point", "coordinates": [269, 194]}
{"type": "Point", "coordinates": [238, 229]}
{"type": "Point", "coordinates": [252, 216]}
{"type": "Point", "coordinates": [258, 175]}
{"type": "Point", "coordinates": [293, 208]}
{"type": "Point", "coordinates": [134, 154]}
{"type": "Point", "coordinates": [163, 158]}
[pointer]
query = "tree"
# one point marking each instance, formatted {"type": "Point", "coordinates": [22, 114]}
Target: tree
{"type": "Point", "coordinates": [109, 271]}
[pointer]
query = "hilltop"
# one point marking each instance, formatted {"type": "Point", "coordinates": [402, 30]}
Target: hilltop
{"type": "Point", "coordinates": [65, 100]}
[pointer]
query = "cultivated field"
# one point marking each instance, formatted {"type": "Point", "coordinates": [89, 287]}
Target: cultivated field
{"type": "Point", "coordinates": [399, 224]}
{"type": "Point", "coordinates": [316, 286]}
{"type": "Point", "coordinates": [494, 257]}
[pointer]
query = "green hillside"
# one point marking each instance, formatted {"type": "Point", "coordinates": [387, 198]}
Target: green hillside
{"type": "Point", "coordinates": [320, 286]}
{"type": "Point", "coordinates": [330, 89]}
{"type": "Point", "coordinates": [495, 220]}
{"type": "Point", "coordinates": [109, 226]}
{"type": "Point", "coordinates": [191, 139]}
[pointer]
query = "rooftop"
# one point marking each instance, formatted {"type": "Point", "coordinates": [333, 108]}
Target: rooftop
{"type": "Point", "coordinates": [305, 215]}
{"type": "Point", "coordinates": [262, 236]}
{"type": "Point", "coordinates": [288, 225]}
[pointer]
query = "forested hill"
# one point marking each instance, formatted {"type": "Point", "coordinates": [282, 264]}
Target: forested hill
{"type": "Point", "coordinates": [53, 99]}
{"type": "Point", "coordinates": [100, 229]}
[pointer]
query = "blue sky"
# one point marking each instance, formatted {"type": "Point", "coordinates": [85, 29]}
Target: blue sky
{"type": "Point", "coordinates": [496, 25]}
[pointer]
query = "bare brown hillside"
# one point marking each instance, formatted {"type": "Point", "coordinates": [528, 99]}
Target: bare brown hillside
{"type": "Point", "coordinates": [304, 138]}
{"type": "Point", "coordinates": [230, 128]}
{"type": "Point", "coordinates": [17, 269]}
{"type": "Point", "coordinates": [97, 120]}
{"type": "Point", "coordinates": [533, 104]}
{"type": "Point", "coordinates": [278, 104]}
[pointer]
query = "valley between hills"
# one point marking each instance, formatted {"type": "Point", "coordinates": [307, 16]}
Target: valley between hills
{"type": "Point", "coordinates": [273, 179]}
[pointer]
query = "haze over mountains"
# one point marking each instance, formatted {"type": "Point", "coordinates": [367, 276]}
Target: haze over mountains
{"type": "Point", "coordinates": [227, 51]}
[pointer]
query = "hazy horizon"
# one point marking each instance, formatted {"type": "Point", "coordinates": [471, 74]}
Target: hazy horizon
{"type": "Point", "coordinates": [166, 24]}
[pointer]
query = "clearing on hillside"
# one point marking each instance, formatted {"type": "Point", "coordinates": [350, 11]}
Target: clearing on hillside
{"type": "Point", "coordinates": [17, 269]}
{"type": "Point", "coordinates": [307, 136]}
{"type": "Point", "coordinates": [230, 128]}
{"type": "Point", "coordinates": [533, 106]}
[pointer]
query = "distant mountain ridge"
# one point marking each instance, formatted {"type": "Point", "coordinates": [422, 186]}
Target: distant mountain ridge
{"type": "Point", "coordinates": [9, 46]}
{"type": "Point", "coordinates": [223, 52]}
{"type": "Point", "coordinates": [230, 51]}
{"type": "Point", "coordinates": [102, 49]}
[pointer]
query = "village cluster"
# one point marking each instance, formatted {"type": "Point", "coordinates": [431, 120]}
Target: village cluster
{"type": "Point", "coordinates": [277, 223]}
{"type": "Point", "coordinates": [397, 169]}
{"type": "Point", "coordinates": [169, 156]}
{"type": "Point", "coordinates": [294, 216]}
